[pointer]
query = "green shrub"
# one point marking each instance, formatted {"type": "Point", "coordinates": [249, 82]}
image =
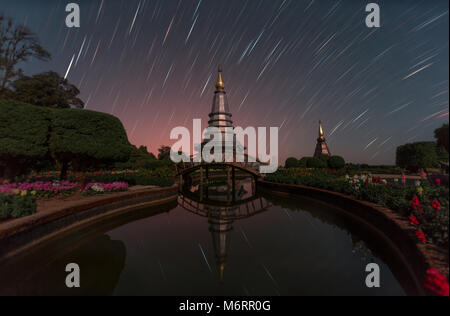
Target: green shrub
{"type": "Point", "coordinates": [16, 206]}
{"type": "Point", "coordinates": [291, 162]}
{"type": "Point", "coordinates": [140, 158]}
{"type": "Point", "coordinates": [303, 163]}
{"type": "Point", "coordinates": [336, 162]}
{"type": "Point", "coordinates": [5, 209]}
{"type": "Point", "coordinates": [315, 162]}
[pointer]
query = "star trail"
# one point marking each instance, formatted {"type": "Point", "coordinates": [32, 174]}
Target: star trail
{"type": "Point", "coordinates": [287, 63]}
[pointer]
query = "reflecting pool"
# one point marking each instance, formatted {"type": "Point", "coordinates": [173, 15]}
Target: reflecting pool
{"type": "Point", "coordinates": [203, 244]}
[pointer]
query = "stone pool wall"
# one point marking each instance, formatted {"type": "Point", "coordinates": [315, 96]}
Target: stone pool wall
{"type": "Point", "coordinates": [17, 234]}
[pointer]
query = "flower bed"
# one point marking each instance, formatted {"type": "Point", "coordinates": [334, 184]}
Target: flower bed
{"type": "Point", "coordinates": [436, 283]}
{"type": "Point", "coordinates": [99, 188]}
{"type": "Point", "coordinates": [425, 204]}
{"type": "Point", "coordinates": [39, 188]}
{"type": "Point", "coordinates": [162, 177]}
{"type": "Point", "coordinates": [432, 215]}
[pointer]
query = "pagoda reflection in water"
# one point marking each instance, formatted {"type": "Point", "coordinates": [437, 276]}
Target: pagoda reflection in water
{"type": "Point", "coordinates": [221, 211]}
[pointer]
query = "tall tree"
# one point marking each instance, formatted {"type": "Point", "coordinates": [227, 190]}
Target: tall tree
{"type": "Point", "coordinates": [47, 89]}
{"type": "Point", "coordinates": [441, 135]}
{"type": "Point", "coordinates": [417, 156]}
{"type": "Point", "coordinates": [17, 44]}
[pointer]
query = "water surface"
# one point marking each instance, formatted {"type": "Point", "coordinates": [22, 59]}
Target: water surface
{"type": "Point", "coordinates": [271, 246]}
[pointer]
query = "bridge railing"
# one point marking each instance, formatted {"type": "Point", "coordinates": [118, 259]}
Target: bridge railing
{"type": "Point", "coordinates": [232, 212]}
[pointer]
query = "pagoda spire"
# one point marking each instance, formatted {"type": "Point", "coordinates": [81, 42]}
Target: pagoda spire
{"type": "Point", "coordinates": [321, 147]}
{"type": "Point", "coordinates": [220, 115]}
{"type": "Point", "coordinates": [321, 136]}
{"type": "Point", "coordinates": [220, 85]}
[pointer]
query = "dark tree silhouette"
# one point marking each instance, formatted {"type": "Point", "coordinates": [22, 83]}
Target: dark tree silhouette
{"type": "Point", "coordinates": [164, 153]}
{"type": "Point", "coordinates": [17, 44]}
{"type": "Point", "coordinates": [441, 135]}
{"type": "Point", "coordinates": [47, 89]}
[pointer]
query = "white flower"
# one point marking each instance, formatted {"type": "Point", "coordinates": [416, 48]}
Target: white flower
{"type": "Point", "coordinates": [97, 188]}
{"type": "Point", "coordinates": [417, 183]}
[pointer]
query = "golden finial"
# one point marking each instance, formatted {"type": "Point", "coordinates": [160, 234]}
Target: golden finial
{"type": "Point", "coordinates": [321, 130]}
{"type": "Point", "coordinates": [220, 86]}
{"type": "Point", "coordinates": [221, 270]}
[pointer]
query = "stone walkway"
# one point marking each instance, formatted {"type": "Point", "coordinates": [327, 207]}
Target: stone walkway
{"type": "Point", "coordinates": [57, 203]}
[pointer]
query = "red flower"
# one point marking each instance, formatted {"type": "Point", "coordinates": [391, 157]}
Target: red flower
{"type": "Point", "coordinates": [421, 236]}
{"type": "Point", "coordinates": [367, 181]}
{"type": "Point", "coordinates": [415, 202]}
{"type": "Point", "coordinates": [437, 181]}
{"type": "Point", "coordinates": [413, 220]}
{"type": "Point", "coordinates": [436, 205]}
{"type": "Point", "coordinates": [436, 282]}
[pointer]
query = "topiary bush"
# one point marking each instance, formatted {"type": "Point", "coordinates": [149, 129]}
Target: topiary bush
{"type": "Point", "coordinates": [336, 162]}
{"type": "Point", "coordinates": [315, 162]}
{"type": "Point", "coordinates": [31, 135]}
{"type": "Point", "coordinates": [291, 162]}
{"type": "Point", "coordinates": [24, 133]}
{"type": "Point", "coordinates": [303, 163]}
{"type": "Point", "coordinates": [86, 138]}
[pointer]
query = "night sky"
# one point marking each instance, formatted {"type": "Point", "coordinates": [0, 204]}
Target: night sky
{"type": "Point", "coordinates": [286, 63]}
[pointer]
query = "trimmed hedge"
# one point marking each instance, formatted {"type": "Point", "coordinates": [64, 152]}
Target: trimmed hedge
{"type": "Point", "coordinates": [31, 135]}
{"type": "Point", "coordinates": [291, 162]}
{"type": "Point", "coordinates": [303, 163]}
{"type": "Point", "coordinates": [336, 162]}
{"type": "Point", "coordinates": [24, 132]}
{"type": "Point", "coordinates": [82, 135]}
{"type": "Point", "coordinates": [315, 162]}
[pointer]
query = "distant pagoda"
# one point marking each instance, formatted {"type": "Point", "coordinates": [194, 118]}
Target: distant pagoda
{"type": "Point", "coordinates": [321, 147]}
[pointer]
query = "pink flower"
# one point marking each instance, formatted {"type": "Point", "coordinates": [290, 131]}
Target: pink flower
{"type": "Point", "coordinates": [403, 178]}
{"type": "Point", "coordinates": [437, 181]}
